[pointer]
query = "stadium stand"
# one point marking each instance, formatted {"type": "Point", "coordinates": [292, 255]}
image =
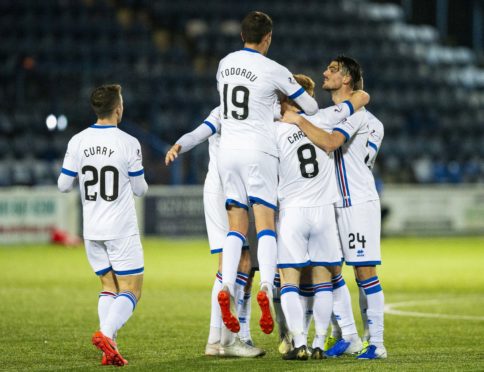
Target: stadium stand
{"type": "Point", "coordinates": [430, 97]}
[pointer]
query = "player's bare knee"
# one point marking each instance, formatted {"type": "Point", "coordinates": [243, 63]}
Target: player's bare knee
{"type": "Point", "coordinates": [321, 274]}
{"type": "Point", "coordinates": [365, 272]}
{"type": "Point", "coordinates": [109, 282]}
{"type": "Point", "coordinates": [290, 276]}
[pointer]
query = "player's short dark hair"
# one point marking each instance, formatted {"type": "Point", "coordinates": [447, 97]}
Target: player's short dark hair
{"type": "Point", "coordinates": [350, 67]}
{"type": "Point", "coordinates": [255, 26]}
{"type": "Point", "coordinates": [105, 99]}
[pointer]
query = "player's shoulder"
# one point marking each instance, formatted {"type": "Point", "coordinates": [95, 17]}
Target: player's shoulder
{"type": "Point", "coordinates": [374, 122]}
{"type": "Point", "coordinates": [128, 138]}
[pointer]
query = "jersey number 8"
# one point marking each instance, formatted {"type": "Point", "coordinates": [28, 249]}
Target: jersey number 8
{"type": "Point", "coordinates": [307, 164]}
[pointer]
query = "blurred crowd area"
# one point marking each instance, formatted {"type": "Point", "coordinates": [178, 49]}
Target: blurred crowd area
{"type": "Point", "coordinates": [164, 53]}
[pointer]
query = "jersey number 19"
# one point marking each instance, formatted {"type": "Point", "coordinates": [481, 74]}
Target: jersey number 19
{"type": "Point", "coordinates": [240, 101]}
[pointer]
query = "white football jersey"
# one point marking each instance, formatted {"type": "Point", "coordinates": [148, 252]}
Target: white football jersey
{"type": "Point", "coordinates": [104, 157]}
{"type": "Point", "coordinates": [355, 180]}
{"type": "Point", "coordinates": [306, 173]}
{"type": "Point", "coordinates": [248, 84]}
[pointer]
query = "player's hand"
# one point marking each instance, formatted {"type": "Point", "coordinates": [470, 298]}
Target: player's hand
{"type": "Point", "coordinates": [290, 117]}
{"type": "Point", "coordinates": [172, 154]}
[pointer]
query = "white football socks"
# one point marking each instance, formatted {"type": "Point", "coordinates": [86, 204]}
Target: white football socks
{"type": "Point", "coordinates": [119, 312]}
{"type": "Point", "coordinates": [342, 310]}
{"type": "Point", "coordinates": [306, 297]}
{"type": "Point", "coordinates": [376, 303]}
{"type": "Point", "coordinates": [293, 312]}
{"type": "Point", "coordinates": [215, 314]}
{"type": "Point", "coordinates": [267, 257]}
{"type": "Point", "coordinates": [322, 309]}
{"type": "Point", "coordinates": [105, 301]}
{"type": "Point", "coordinates": [232, 251]}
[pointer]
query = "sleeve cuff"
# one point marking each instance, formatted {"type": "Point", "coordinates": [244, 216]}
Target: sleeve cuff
{"type": "Point", "coordinates": [343, 132]}
{"type": "Point", "coordinates": [68, 172]}
{"type": "Point", "coordinates": [350, 105]}
{"type": "Point", "coordinates": [137, 173]}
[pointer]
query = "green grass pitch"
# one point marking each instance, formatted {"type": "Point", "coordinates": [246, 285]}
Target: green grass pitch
{"type": "Point", "coordinates": [48, 310]}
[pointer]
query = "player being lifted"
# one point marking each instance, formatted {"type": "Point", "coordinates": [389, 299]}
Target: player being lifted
{"type": "Point", "coordinates": [221, 342]}
{"type": "Point", "coordinates": [248, 83]}
{"type": "Point", "coordinates": [358, 210]}
{"type": "Point", "coordinates": [108, 164]}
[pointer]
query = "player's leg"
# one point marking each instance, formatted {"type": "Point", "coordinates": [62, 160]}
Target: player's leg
{"type": "Point", "coordinates": [306, 295]}
{"type": "Point", "coordinates": [369, 281]}
{"type": "Point", "coordinates": [261, 180]}
{"type": "Point", "coordinates": [293, 312]}
{"type": "Point", "coordinates": [361, 246]}
{"type": "Point", "coordinates": [363, 302]}
{"type": "Point", "coordinates": [243, 286]}
{"type": "Point", "coordinates": [126, 257]}
{"type": "Point", "coordinates": [322, 308]}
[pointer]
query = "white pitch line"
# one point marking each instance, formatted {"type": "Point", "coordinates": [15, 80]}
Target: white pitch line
{"type": "Point", "coordinates": [390, 309]}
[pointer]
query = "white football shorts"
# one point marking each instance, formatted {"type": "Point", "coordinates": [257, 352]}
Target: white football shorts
{"type": "Point", "coordinates": [124, 256]}
{"type": "Point", "coordinates": [359, 231]}
{"type": "Point", "coordinates": [248, 177]}
{"type": "Point", "coordinates": [307, 236]}
{"type": "Point", "coordinates": [216, 221]}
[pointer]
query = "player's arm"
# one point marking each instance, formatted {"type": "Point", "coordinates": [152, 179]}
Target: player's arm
{"type": "Point", "coordinates": [68, 174]}
{"type": "Point", "coordinates": [374, 142]}
{"type": "Point", "coordinates": [286, 84]}
{"type": "Point", "coordinates": [324, 140]}
{"type": "Point", "coordinates": [185, 143]}
{"type": "Point", "coordinates": [136, 172]}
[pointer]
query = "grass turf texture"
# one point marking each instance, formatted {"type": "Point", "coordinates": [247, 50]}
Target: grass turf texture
{"type": "Point", "coordinates": [49, 310]}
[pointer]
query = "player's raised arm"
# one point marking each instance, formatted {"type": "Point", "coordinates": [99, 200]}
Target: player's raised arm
{"type": "Point", "coordinates": [185, 143]}
{"type": "Point", "coordinates": [324, 140]}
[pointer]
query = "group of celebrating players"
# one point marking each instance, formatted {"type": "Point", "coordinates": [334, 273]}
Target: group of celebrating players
{"type": "Point", "coordinates": [305, 174]}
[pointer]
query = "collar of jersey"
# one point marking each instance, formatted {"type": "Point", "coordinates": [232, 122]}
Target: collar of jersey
{"type": "Point", "coordinates": [251, 50]}
{"type": "Point", "coordinates": [102, 126]}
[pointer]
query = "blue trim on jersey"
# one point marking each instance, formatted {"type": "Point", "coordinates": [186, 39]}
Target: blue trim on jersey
{"type": "Point", "coordinates": [363, 263]}
{"type": "Point", "coordinates": [267, 232]}
{"type": "Point", "coordinates": [102, 126]}
{"type": "Point", "coordinates": [104, 271]}
{"type": "Point", "coordinates": [236, 203]}
{"type": "Point", "coordinates": [251, 50]}
{"type": "Point", "coordinates": [292, 265]}
{"type": "Point", "coordinates": [69, 172]}
{"type": "Point", "coordinates": [255, 200]}
{"type": "Point", "coordinates": [296, 93]}
{"type": "Point", "coordinates": [237, 234]}
{"type": "Point", "coordinates": [130, 272]}
{"type": "Point", "coordinates": [211, 126]}
{"type": "Point", "coordinates": [372, 145]}
{"type": "Point", "coordinates": [137, 173]}
{"type": "Point", "coordinates": [343, 132]}
{"type": "Point", "coordinates": [317, 263]}
{"type": "Point", "coordinates": [350, 105]}
{"type": "Point", "coordinates": [217, 250]}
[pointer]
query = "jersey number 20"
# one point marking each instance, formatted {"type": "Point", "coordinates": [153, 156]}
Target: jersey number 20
{"type": "Point", "coordinates": [307, 164]}
{"type": "Point", "coordinates": [239, 99]}
{"type": "Point", "coordinates": [95, 179]}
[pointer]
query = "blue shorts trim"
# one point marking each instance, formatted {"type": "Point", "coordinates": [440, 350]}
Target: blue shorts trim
{"type": "Point", "coordinates": [130, 272]}
{"type": "Point", "coordinates": [293, 265]}
{"type": "Point", "coordinates": [104, 271]}
{"type": "Point", "coordinates": [363, 263]}
{"type": "Point", "coordinates": [216, 251]}
{"type": "Point", "coordinates": [316, 263]}
{"type": "Point", "coordinates": [254, 200]}
{"type": "Point", "coordinates": [235, 203]}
